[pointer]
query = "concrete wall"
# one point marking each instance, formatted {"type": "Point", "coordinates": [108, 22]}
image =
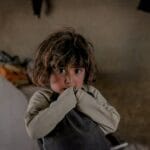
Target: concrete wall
{"type": "Point", "coordinates": [116, 28]}
{"type": "Point", "coordinates": [120, 34]}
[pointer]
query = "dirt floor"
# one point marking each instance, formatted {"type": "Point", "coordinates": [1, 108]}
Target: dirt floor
{"type": "Point", "coordinates": [131, 97]}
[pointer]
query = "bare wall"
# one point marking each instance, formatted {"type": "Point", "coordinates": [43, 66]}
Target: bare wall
{"type": "Point", "coordinates": [116, 28]}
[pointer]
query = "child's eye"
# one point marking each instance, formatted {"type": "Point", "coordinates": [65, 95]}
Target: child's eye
{"type": "Point", "coordinates": [61, 71]}
{"type": "Point", "coordinates": [78, 71]}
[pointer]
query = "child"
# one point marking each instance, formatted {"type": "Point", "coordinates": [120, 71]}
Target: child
{"type": "Point", "coordinates": [69, 113]}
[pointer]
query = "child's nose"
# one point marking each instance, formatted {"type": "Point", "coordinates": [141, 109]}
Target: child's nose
{"type": "Point", "coordinates": [68, 79]}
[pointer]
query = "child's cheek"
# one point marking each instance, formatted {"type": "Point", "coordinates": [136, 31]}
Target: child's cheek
{"type": "Point", "coordinates": [79, 84]}
{"type": "Point", "coordinates": [56, 83]}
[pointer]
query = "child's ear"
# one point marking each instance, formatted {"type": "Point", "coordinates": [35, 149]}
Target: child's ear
{"type": "Point", "coordinates": [88, 79]}
{"type": "Point", "coordinates": [91, 78]}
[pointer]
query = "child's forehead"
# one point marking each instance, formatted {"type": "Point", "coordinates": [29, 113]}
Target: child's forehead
{"type": "Point", "coordinates": [68, 66]}
{"type": "Point", "coordinates": [67, 63]}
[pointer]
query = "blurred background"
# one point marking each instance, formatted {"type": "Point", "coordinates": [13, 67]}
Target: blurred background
{"type": "Point", "coordinates": [120, 33]}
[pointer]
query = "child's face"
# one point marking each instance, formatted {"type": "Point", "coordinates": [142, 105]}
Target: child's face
{"type": "Point", "coordinates": [62, 79]}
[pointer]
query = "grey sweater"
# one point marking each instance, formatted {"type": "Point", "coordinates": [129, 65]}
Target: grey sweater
{"type": "Point", "coordinates": [43, 114]}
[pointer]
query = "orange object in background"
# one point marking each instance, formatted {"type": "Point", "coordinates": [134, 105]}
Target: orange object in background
{"type": "Point", "coordinates": [14, 74]}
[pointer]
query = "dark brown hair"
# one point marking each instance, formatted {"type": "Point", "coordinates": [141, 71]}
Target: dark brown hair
{"type": "Point", "coordinates": [63, 48]}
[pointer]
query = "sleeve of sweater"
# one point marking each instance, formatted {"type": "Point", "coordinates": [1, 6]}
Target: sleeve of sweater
{"type": "Point", "coordinates": [42, 115]}
{"type": "Point", "coordinates": [98, 109]}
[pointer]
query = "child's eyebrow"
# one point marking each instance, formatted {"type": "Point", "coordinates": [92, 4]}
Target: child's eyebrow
{"type": "Point", "coordinates": [69, 67]}
{"type": "Point", "coordinates": [77, 67]}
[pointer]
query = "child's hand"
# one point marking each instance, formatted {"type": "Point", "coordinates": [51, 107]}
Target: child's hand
{"type": "Point", "coordinates": [82, 88]}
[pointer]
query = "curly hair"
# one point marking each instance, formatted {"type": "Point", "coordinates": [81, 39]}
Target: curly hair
{"type": "Point", "coordinates": [62, 49]}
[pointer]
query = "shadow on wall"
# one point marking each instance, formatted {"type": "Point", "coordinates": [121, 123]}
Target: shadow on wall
{"type": "Point", "coordinates": [37, 7]}
{"type": "Point", "coordinates": [130, 96]}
